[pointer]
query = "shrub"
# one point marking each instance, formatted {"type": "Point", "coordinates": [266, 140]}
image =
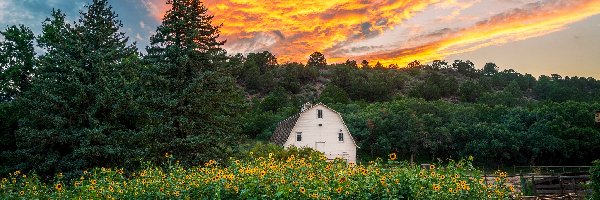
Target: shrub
{"type": "Point", "coordinates": [595, 179]}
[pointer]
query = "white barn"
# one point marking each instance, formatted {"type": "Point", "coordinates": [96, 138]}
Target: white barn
{"type": "Point", "coordinates": [318, 127]}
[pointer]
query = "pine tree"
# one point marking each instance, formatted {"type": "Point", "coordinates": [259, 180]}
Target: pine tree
{"type": "Point", "coordinates": [193, 101]}
{"type": "Point", "coordinates": [80, 104]}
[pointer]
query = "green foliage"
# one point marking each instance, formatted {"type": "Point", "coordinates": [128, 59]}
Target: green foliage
{"type": "Point", "coordinates": [316, 59]}
{"type": "Point", "coordinates": [470, 91]}
{"type": "Point", "coordinates": [544, 133]}
{"type": "Point", "coordinates": [79, 104]}
{"type": "Point", "coordinates": [595, 179]}
{"type": "Point", "coordinates": [17, 61]}
{"type": "Point", "coordinates": [191, 100]}
{"type": "Point", "coordinates": [334, 94]}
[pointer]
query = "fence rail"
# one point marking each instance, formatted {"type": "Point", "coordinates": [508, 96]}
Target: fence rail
{"type": "Point", "coordinates": [558, 184]}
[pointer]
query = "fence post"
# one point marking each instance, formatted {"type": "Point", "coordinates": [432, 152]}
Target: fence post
{"type": "Point", "coordinates": [533, 184]}
{"type": "Point", "coordinates": [562, 189]}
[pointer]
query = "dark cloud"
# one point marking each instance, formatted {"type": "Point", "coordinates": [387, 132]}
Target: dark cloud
{"type": "Point", "coordinates": [279, 34]}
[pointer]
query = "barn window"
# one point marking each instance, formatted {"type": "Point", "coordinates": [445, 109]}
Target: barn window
{"type": "Point", "coordinates": [341, 137]}
{"type": "Point", "coordinates": [299, 136]}
{"type": "Point", "coordinates": [319, 113]}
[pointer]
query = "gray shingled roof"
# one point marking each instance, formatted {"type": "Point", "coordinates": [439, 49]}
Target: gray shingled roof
{"type": "Point", "coordinates": [283, 130]}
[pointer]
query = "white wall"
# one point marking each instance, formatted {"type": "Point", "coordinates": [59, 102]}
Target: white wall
{"type": "Point", "coordinates": [326, 135]}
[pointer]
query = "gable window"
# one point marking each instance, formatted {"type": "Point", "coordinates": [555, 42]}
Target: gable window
{"type": "Point", "coordinates": [341, 137]}
{"type": "Point", "coordinates": [319, 113]}
{"type": "Point", "coordinates": [298, 136]}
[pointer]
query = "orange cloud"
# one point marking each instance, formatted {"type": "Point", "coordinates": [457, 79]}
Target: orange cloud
{"type": "Point", "coordinates": [292, 30]}
{"type": "Point", "coordinates": [534, 20]}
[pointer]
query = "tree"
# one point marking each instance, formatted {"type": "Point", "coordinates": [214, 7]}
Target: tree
{"type": "Point", "coordinates": [192, 98]}
{"type": "Point", "coordinates": [470, 91]}
{"type": "Point", "coordinates": [334, 94]}
{"type": "Point", "coordinates": [351, 63]}
{"type": "Point", "coordinates": [258, 72]}
{"type": "Point", "coordinates": [465, 68]}
{"type": "Point", "coordinates": [379, 66]}
{"type": "Point", "coordinates": [414, 64]}
{"type": "Point", "coordinates": [17, 61]}
{"type": "Point", "coordinates": [490, 69]}
{"type": "Point", "coordinates": [365, 64]}
{"type": "Point", "coordinates": [316, 59]}
{"type": "Point", "coordinates": [80, 103]}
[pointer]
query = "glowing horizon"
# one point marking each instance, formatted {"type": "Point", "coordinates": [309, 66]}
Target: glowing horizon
{"type": "Point", "coordinates": [384, 31]}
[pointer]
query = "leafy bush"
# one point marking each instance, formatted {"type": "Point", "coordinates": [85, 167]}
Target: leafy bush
{"type": "Point", "coordinates": [268, 177]}
{"type": "Point", "coordinates": [595, 179]}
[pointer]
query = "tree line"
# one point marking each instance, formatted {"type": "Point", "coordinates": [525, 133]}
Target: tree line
{"type": "Point", "coordinates": [91, 99]}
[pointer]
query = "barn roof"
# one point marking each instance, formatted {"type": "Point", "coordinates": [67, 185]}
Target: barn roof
{"type": "Point", "coordinates": [284, 128]}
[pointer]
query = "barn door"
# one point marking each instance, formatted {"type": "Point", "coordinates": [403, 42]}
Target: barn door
{"type": "Point", "coordinates": [320, 146]}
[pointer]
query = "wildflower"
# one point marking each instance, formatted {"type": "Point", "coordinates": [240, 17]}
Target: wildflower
{"type": "Point", "coordinates": [431, 167]}
{"type": "Point", "coordinates": [59, 187]}
{"type": "Point", "coordinates": [503, 174]}
{"type": "Point", "coordinates": [302, 190]}
{"type": "Point", "coordinates": [450, 190]}
{"type": "Point", "coordinates": [456, 176]}
{"type": "Point", "coordinates": [436, 187]}
{"type": "Point", "coordinates": [393, 156]}
{"type": "Point", "coordinates": [382, 180]}
{"type": "Point", "coordinates": [433, 173]}
{"type": "Point", "coordinates": [176, 193]}
{"type": "Point", "coordinates": [4, 180]}
{"type": "Point", "coordinates": [22, 193]}
{"type": "Point", "coordinates": [315, 195]}
{"type": "Point", "coordinates": [339, 190]}
{"type": "Point", "coordinates": [110, 187]}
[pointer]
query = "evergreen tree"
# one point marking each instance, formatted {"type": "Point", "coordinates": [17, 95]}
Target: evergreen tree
{"type": "Point", "coordinates": [80, 105]}
{"type": "Point", "coordinates": [316, 59]}
{"type": "Point", "coordinates": [193, 101]}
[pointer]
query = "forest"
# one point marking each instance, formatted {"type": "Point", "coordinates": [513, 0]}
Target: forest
{"type": "Point", "coordinates": [90, 98]}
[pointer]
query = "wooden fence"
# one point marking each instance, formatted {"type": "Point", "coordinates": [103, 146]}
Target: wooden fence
{"type": "Point", "coordinates": [549, 180]}
{"type": "Point", "coordinates": [560, 184]}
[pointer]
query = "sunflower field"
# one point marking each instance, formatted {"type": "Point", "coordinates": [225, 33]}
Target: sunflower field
{"type": "Point", "coordinates": [269, 177]}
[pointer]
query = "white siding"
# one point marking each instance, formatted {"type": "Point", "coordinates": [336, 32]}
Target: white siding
{"type": "Point", "coordinates": [324, 137]}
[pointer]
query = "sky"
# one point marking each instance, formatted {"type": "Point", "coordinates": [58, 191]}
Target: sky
{"type": "Point", "coordinates": [540, 37]}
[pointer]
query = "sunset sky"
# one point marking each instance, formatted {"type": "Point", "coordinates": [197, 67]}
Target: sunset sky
{"type": "Point", "coordinates": [530, 36]}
